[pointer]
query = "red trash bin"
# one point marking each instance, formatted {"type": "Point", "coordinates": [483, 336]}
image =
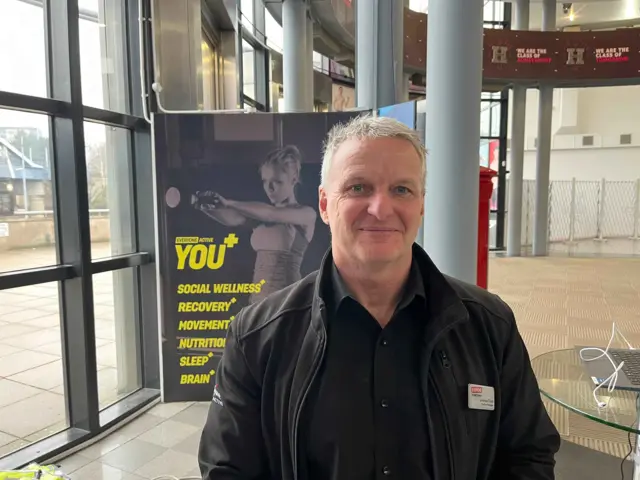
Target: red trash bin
{"type": "Point", "coordinates": [486, 190]}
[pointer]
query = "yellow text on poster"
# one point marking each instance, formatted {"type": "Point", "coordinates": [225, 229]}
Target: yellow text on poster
{"type": "Point", "coordinates": [196, 379]}
{"type": "Point", "coordinates": [189, 325]}
{"type": "Point", "coordinates": [202, 255]}
{"type": "Point", "coordinates": [205, 306]}
{"type": "Point", "coordinates": [188, 343]}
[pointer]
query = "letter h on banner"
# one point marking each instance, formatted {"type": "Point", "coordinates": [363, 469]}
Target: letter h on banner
{"type": "Point", "coordinates": [575, 56]}
{"type": "Point", "coordinates": [499, 54]}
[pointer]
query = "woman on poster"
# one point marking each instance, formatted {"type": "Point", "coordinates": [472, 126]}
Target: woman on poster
{"type": "Point", "coordinates": [282, 229]}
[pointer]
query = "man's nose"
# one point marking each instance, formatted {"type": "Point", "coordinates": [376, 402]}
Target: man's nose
{"type": "Point", "coordinates": [380, 205]}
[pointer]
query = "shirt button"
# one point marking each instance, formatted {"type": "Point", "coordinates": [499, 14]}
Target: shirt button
{"type": "Point", "coordinates": [386, 471]}
{"type": "Point", "coordinates": [385, 342]}
{"type": "Point", "coordinates": [384, 403]}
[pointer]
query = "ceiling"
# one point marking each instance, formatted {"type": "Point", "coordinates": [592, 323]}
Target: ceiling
{"type": "Point", "coordinates": [591, 14]}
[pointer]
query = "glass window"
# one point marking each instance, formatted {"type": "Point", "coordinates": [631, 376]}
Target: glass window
{"type": "Point", "coordinates": [117, 335]}
{"type": "Point", "coordinates": [419, 5]}
{"type": "Point", "coordinates": [108, 156]}
{"type": "Point", "coordinates": [274, 32]}
{"type": "Point", "coordinates": [32, 401]}
{"type": "Point", "coordinates": [248, 70]}
{"type": "Point", "coordinates": [246, 8]}
{"type": "Point", "coordinates": [495, 120]}
{"type": "Point", "coordinates": [102, 57]}
{"type": "Point", "coordinates": [489, 119]}
{"type": "Point", "coordinates": [22, 48]}
{"type": "Point", "coordinates": [27, 223]}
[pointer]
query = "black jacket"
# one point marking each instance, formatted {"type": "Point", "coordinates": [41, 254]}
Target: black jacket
{"type": "Point", "coordinates": [275, 348]}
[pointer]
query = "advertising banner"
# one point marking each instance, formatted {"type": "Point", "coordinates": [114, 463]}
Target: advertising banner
{"type": "Point", "coordinates": [404, 112]}
{"type": "Point", "coordinates": [343, 97]}
{"type": "Point", "coordinates": [237, 219]}
{"type": "Point", "coordinates": [569, 58]}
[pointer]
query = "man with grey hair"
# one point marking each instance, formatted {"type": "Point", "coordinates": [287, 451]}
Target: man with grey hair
{"type": "Point", "coordinates": [378, 365]}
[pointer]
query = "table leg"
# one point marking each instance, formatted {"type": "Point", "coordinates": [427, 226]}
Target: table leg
{"type": "Point", "coordinates": [636, 460]}
{"type": "Point", "coordinates": [636, 456]}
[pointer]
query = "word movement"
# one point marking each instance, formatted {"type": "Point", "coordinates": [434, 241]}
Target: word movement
{"type": "Point", "coordinates": [201, 335]}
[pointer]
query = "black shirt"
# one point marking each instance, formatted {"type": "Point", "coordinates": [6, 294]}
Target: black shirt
{"type": "Point", "coordinates": [366, 417]}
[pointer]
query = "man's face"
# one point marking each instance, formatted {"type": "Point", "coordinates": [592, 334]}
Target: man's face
{"type": "Point", "coordinates": [373, 200]}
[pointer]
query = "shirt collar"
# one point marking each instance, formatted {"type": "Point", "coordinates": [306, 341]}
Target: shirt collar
{"type": "Point", "coordinates": [414, 288]}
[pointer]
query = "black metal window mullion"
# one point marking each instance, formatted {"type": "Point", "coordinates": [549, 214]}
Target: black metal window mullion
{"type": "Point", "coordinates": [502, 157]}
{"type": "Point", "coordinates": [502, 170]}
{"type": "Point", "coordinates": [72, 213]}
{"type": "Point", "coordinates": [131, 32]}
{"type": "Point", "coordinates": [145, 275]}
{"type": "Point", "coordinates": [239, 57]}
{"type": "Point", "coordinates": [261, 55]}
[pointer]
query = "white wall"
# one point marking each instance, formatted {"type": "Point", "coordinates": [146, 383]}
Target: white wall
{"type": "Point", "coordinates": [614, 164]}
{"type": "Point", "coordinates": [604, 113]}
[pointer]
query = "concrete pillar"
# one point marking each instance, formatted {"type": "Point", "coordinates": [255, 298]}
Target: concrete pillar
{"type": "Point", "coordinates": [453, 135]}
{"type": "Point", "coordinates": [366, 38]}
{"type": "Point", "coordinates": [543, 153]}
{"type": "Point", "coordinates": [379, 53]}
{"type": "Point", "coordinates": [516, 164]}
{"type": "Point", "coordinates": [406, 77]}
{"type": "Point", "coordinates": [294, 50]}
{"type": "Point", "coordinates": [309, 69]}
{"type": "Point", "coordinates": [389, 53]}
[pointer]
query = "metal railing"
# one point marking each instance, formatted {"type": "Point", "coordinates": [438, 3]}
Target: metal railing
{"type": "Point", "coordinates": [585, 210]}
{"type": "Point", "coordinates": [21, 213]}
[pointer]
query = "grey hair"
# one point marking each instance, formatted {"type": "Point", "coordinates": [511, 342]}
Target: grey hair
{"type": "Point", "coordinates": [368, 127]}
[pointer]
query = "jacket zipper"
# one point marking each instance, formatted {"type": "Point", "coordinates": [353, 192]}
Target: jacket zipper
{"type": "Point", "coordinates": [445, 360]}
{"type": "Point", "coordinates": [447, 432]}
{"type": "Point", "coordinates": [296, 417]}
{"type": "Point", "coordinates": [446, 363]}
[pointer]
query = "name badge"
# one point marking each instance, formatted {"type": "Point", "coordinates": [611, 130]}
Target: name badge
{"type": "Point", "coordinates": [481, 397]}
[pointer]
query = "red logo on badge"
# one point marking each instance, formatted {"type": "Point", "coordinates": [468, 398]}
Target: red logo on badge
{"type": "Point", "coordinates": [476, 389]}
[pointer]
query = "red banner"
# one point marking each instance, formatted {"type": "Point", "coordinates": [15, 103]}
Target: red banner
{"type": "Point", "coordinates": [563, 58]}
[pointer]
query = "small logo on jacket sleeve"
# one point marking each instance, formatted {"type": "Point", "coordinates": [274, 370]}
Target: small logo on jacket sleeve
{"type": "Point", "coordinates": [217, 398]}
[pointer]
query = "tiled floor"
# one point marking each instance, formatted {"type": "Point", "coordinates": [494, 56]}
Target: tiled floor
{"type": "Point", "coordinates": [558, 302]}
{"type": "Point", "coordinates": [31, 374]}
{"type": "Point", "coordinates": [564, 302]}
{"type": "Point", "coordinates": [163, 441]}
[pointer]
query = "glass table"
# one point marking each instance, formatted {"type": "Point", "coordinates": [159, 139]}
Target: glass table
{"type": "Point", "coordinates": [563, 380]}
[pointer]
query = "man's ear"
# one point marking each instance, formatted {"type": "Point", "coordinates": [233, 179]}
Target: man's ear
{"type": "Point", "coordinates": [322, 204]}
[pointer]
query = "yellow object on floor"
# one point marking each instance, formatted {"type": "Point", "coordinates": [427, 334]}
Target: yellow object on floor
{"type": "Point", "coordinates": [34, 472]}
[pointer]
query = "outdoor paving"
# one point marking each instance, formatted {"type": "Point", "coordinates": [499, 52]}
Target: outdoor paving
{"type": "Point", "coordinates": [558, 302]}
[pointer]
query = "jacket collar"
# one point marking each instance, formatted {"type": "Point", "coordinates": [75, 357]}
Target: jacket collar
{"type": "Point", "coordinates": [444, 306]}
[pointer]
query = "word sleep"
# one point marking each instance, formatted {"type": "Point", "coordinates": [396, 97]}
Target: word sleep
{"type": "Point", "coordinates": [188, 343]}
{"type": "Point", "coordinates": [194, 360]}
{"type": "Point", "coordinates": [205, 306]}
{"type": "Point", "coordinates": [204, 324]}
{"type": "Point", "coordinates": [200, 256]}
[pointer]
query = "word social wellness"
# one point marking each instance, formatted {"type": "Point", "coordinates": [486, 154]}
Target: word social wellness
{"type": "Point", "coordinates": [200, 340]}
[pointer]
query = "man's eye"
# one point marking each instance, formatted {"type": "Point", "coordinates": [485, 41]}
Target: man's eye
{"type": "Point", "coordinates": [402, 190]}
{"type": "Point", "coordinates": [357, 188]}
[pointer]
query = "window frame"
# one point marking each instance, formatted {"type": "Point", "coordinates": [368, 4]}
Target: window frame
{"type": "Point", "coordinates": [75, 269]}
